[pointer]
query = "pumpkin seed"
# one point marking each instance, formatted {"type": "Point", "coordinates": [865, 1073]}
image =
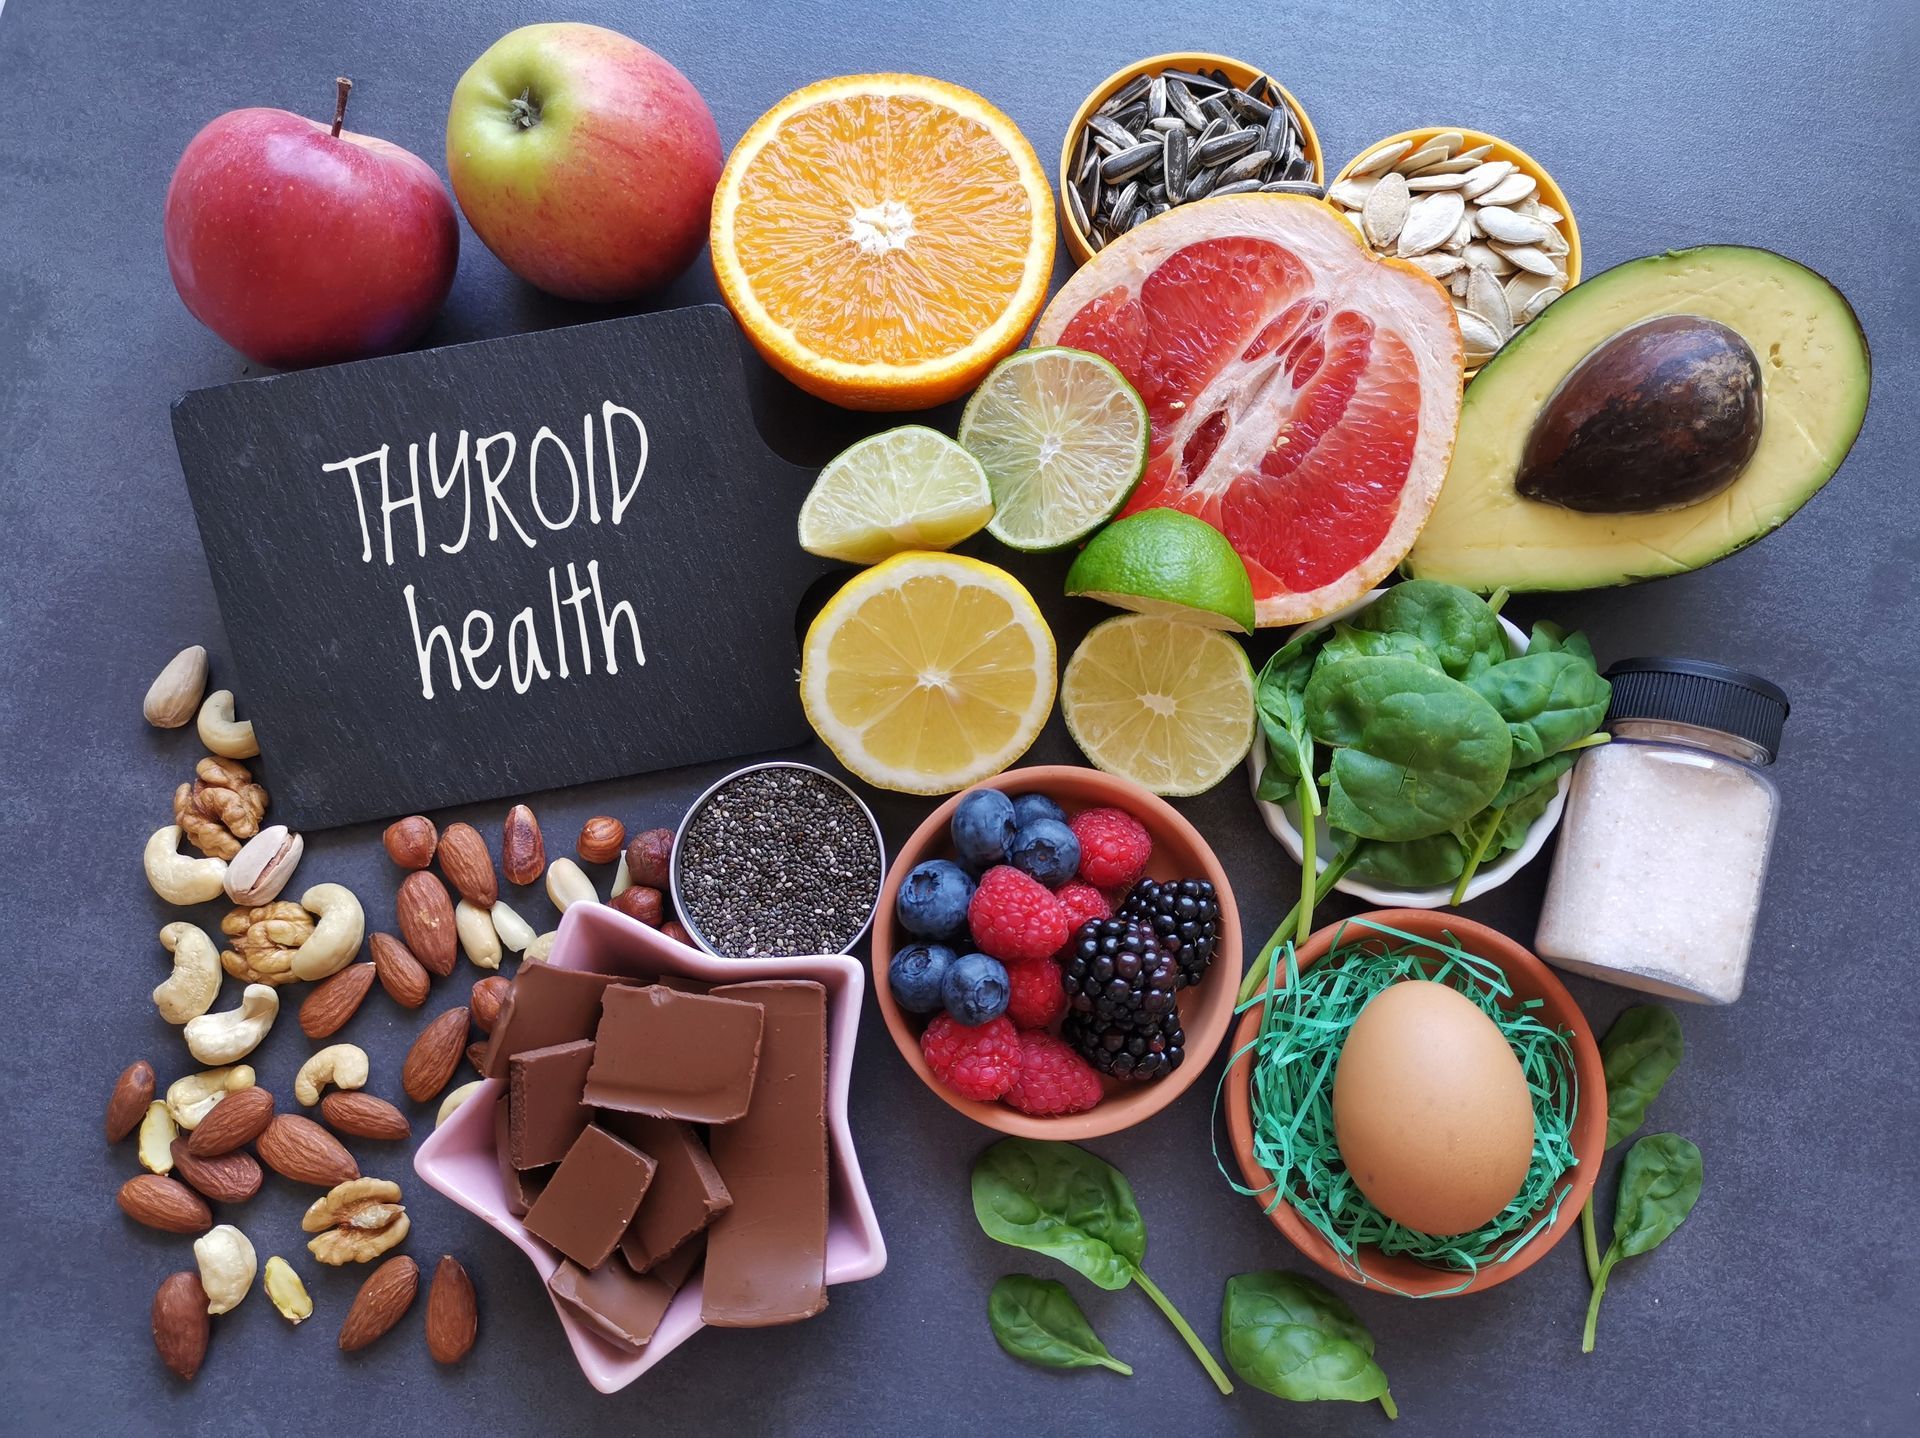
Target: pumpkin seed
{"type": "Point", "coordinates": [1421, 158]}
{"type": "Point", "coordinates": [1527, 257]}
{"type": "Point", "coordinates": [1511, 190]}
{"type": "Point", "coordinates": [1440, 266]}
{"type": "Point", "coordinates": [1485, 176]}
{"type": "Point", "coordinates": [1381, 159]}
{"type": "Point", "coordinates": [1488, 258]}
{"type": "Point", "coordinates": [1539, 302]}
{"type": "Point", "coordinates": [1478, 338]}
{"type": "Point", "coordinates": [1431, 219]}
{"type": "Point", "coordinates": [1351, 192]}
{"type": "Point", "coordinates": [1486, 299]}
{"type": "Point", "coordinates": [1427, 180]}
{"type": "Point", "coordinates": [1386, 210]}
{"type": "Point", "coordinates": [1499, 223]}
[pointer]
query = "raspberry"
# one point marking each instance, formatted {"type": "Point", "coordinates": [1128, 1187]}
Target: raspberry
{"type": "Point", "coordinates": [1114, 847]}
{"type": "Point", "coordinates": [976, 1063]}
{"type": "Point", "coordinates": [1037, 996]}
{"type": "Point", "coordinates": [1082, 902]}
{"type": "Point", "coordinates": [1015, 919]}
{"type": "Point", "coordinates": [1052, 1079]}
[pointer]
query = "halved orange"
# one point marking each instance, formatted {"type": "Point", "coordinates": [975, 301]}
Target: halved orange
{"type": "Point", "coordinates": [883, 239]}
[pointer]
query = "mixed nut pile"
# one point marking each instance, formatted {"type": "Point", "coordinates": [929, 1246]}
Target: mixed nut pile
{"type": "Point", "coordinates": [208, 1136]}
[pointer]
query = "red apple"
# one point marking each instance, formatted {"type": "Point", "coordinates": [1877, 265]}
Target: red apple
{"type": "Point", "coordinates": [583, 160]}
{"type": "Point", "coordinates": [300, 244]}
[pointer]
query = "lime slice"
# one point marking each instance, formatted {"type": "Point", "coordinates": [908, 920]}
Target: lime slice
{"type": "Point", "coordinates": [1063, 439]}
{"type": "Point", "coordinates": [1165, 562]}
{"type": "Point", "coordinates": [906, 488]}
{"type": "Point", "coordinates": [1164, 703]}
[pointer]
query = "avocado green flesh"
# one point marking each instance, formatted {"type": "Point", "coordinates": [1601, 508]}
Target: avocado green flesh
{"type": "Point", "coordinates": [1815, 371]}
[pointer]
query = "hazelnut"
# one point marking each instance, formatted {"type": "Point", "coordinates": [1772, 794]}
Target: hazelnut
{"type": "Point", "coordinates": [488, 995]}
{"type": "Point", "coordinates": [648, 855]}
{"type": "Point", "coordinates": [677, 931]}
{"type": "Point", "coordinates": [640, 902]}
{"type": "Point", "coordinates": [601, 839]}
{"type": "Point", "coordinates": [410, 842]}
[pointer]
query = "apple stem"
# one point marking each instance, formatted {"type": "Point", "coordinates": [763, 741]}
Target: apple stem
{"type": "Point", "coordinates": [343, 87]}
{"type": "Point", "coordinates": [525, 110]}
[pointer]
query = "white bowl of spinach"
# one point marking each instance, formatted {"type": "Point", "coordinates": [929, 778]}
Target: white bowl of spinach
{"type": "Point", "coordinates": [1435, 738]}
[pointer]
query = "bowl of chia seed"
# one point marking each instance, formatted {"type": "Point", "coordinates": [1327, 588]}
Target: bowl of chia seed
{"type": "Point", "coordinates": [777, 860]}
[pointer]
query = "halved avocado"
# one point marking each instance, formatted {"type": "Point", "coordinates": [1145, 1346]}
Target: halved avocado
{"type": "Point", "coordinates": [1538, 395]}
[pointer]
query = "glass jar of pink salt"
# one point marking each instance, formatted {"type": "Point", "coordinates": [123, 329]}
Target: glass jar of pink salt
{"type": "Point", "coordinates": [1668, 829]}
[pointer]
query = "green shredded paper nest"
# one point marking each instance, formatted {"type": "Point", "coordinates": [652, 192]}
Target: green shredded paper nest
{"type": "Point", "coordinates": [1304, 1022]}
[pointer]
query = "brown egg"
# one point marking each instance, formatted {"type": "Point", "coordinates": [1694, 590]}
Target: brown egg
{"type": "Point", "coordinates": [1431, 1109]}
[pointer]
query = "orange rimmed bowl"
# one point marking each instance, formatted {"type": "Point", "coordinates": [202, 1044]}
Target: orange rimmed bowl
{"type": "Point", "coordinates": [1529, 979]}
{"type": "Point", "coordinates": [1178, 853]}
{"type": "Point", "coordinates": [1238, 71]}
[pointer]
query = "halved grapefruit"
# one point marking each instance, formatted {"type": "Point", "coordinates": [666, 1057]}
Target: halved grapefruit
{"type": "Point", "coordinates": [1302, 393]}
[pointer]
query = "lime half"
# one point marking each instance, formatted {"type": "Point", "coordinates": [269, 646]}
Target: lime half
{"type": "Point", "coordinates": [1063, 439]}
{"type": "Point", "coordinates": [1165, 562]}
{"type": "Point", "coordinates": [1164, 703]}
{"type": "Point", "coordinates": [906, 488]}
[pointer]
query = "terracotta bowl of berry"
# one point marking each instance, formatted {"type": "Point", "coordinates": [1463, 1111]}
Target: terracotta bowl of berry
{"type": "Point", "coordinates": [1056, 953]}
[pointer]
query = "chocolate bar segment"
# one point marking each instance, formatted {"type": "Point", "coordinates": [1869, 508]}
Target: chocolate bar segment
{"type": "Point", "coordinates": [523, 1185]}
{"type": "Point", "coordinates": [591, 1198]}
{"type": "Point", "coordinates": [670, 1054]}
{"type": "Point", "coordinates": [686, 1192]}
{"type": "Point", "coordinates": [620, 1305]}
{"type": "Point", "coordinates": [545, 1006]}
{"type": "Point", "coordinates": [767, 1254]}
{"type": "Point", "coordinates": [543, 1087]}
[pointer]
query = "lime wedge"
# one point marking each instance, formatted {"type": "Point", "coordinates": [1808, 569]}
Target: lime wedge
{"type": "Point", "coordinates": [1063, 439]}
{"type": "Point", "coordinates": [905, 488]}
{"type": "Point", "coordinates": [1164, 703]}
{"type": "Point", "coordinates": [1165, 562]}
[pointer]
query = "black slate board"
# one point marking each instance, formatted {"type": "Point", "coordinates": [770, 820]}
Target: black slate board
{"type": "Point", "coordinates": [319, 619]}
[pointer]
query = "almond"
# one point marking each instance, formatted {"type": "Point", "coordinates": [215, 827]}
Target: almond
{"type": "Point", "coordinates": [601, 839]}
{"type": "Point", "coordinates": [236, 1119]}
{"type": "Point", "coordinates": [365, 1115]}
{"type": "Point", "coordinates": [477, 1056]}
{"type": "Point", "coordinates": [298, 1148]}
{"type": "Point", "coordinates": [425, 915]}
{"type": "Point", "coordinates": [133, 1091]}
{"type": "Point", "coordinates": [229, 1178]}
{"type": "Point", "coordinates": [410, 841]}
{"type": "Point", "coordinates": [468, 866]}
{"type": "Point", "coordinates": [165, 1204]}
{"type": "Point", "coordinates": [180, 1327]}
{"type": "Point", "coordinates": [453, 1314]}
{"type": "Point", "coordinates": [488, 995]}
{"type": "Point", "coordinates": [404, 977]}
{"type": "Point", "coordinates": [434, 1055]}
{"type": "Point", "coordinates": [326, 1010]}
{"type": "Point", "coordinates": [523, 853]}
{"type": "Point", "coordinates": [382, 1301]}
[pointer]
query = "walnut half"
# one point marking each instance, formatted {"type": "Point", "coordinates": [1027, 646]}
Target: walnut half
{"type": "Point", "coordinates": [221, 808]}
{"type": "Point", "coordinates": [356, 1221]}
{"type": "Point", "coordinates": [264, 939]}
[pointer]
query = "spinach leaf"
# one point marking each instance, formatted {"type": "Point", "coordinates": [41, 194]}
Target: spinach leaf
{"type": "Point", "coordinates": [1350, 643]}
{"type": "Point", "coordinates": [1416, 864]}
{"type": "Point", "coordinates": [1417, 752]}
{"type": "Point", "coordinates": [1458, 627]}
{"type": "Point", "coordinates": [1659, 1184]}
{"type": "Point", "coordinates": [1056, 1199]}
{"type": "Point", "coordinates": [1639, 1055]}
{"type": "Point", "coordinates": [1525, 779]}
{"type": "Point", "coordinates": [1281, 700]}
{"type": "Point", "coordinates": [1548, 700]}
{"type": "Point", "coordinates": [1292, 1338]}
{"type": "Point", "coordinates": [1548, 636]}
{"type": "Point", "coordinates": [1037, 1321]}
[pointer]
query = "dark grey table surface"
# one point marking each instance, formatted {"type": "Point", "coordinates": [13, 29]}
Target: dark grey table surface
{"type": "Point", "coordinates": [1786, 1305]}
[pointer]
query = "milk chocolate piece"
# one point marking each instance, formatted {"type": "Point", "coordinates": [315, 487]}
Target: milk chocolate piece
{"type": "Point", "coordinates": [767, 1254]}
{"type": "Point", "coordinates": [617, 1303]}
{"type": "Point", "coordinates": [545, 1006]}
{"type": "Point", "coordinates": [523, 1186]}
{"type": "Point", "coordinates": [543, 1087]}
{"type": "Point", "coordinates": [686, 1192]}
{"type": "Point", "coordinates": [591, 1198]}
{"type": "Point", "coordinates": [669, 1054]}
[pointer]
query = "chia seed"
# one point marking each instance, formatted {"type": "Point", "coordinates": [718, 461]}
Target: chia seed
{"type": "Point", "coordinates": [777, 862]}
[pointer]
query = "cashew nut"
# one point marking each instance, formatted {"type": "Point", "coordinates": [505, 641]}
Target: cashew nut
{"type": "Point", "coordinates": [194, 984]}
{"type": "Point", "coordinates": [342, 1065]}
{"type": "Point", "coordinates": [226, 736]}
{"type": "Point", "coordinates": [515, 933]}
{"type": "Point", "coordinates": [454, 1099]}
{"type": "Point", "coordinates": [227, 1266]}
{"type": "Point", "coordinates": [477, 937]}
{"type": "Point", "coordinates": [336, 938]}
{"type": "Point", "coordinates": [177, 878]}
{"type": "Point", "coordinates": [567, 885]}
{"type": "Point", "coordinates": [538, 951]}
{"type": "Point", "coordinates": [230, 1036]}
{"type": "Point", "coordinates": [157, 1133]}
{"type": "Point", "coordinates": [190, 1099]}
{"type": "Point", "coordinates": [288, 1293]}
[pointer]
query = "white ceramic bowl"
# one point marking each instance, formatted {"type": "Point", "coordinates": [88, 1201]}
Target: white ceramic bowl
{"type": "Point", "coordinates": [458, 1158]}
{"type": "Point", "coordinates": [1284, 821]}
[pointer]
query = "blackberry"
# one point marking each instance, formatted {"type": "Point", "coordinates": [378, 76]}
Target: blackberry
{"type": "Point", "coordinates": [1117, 973]}
{"type": "Point", "coordinates": [1185, 917]}
{"type": "Point", "coordinates": [1137, 1053]}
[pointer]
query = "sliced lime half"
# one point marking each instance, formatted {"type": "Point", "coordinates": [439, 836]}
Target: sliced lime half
{"type": "Point", "coordinates": [1165, 562]}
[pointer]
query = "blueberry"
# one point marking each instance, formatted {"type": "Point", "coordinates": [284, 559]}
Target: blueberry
{"type": "Point", "coordinates": [1048, 850]}
{"type": "Point", "coordinates": [975, 990]}
{"type": "Point", "coordinates": [915, 977]}
{"type": "Point", "coordinates": [933, 899]}
{"type": "Point", "coordinates": [983, 828]}
{"type": "Point", "coordinates": [1030, 807]}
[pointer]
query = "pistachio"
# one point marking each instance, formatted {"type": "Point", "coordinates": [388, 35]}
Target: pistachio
{"type": "Point", "coordinates": [265, 863]}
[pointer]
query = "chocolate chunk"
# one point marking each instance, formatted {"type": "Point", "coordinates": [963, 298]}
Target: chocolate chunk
{"type": "Point", "coordinates": [545, 1006]}
{"type": "Point", "coordinates": [686, 1192]}
{"type": "Point", "coordinates": [674, 1055]}
{"type": "Point", "coordinates": [767, 1254]}
{"type": "Point", "coordinates": [543, 1087]}
{"type": "Point", "coordinates": [617, 1303]}
{"type": "Point", "coordinates": [591, 1198]}
{"type": "Point", "coordinates": [523, 1186]}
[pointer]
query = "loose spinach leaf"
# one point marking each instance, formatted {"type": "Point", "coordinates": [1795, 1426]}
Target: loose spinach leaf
{"type": "Point", "coordinates": [1525, 779]}
{"type": "Point", "coordinates": [1659, 1185]}
{"type": "Point", "coordinates": [1290, 1337]}
{"type": "Point", "coordinates": [1458, 627]}
{"type": "Point", "coordinates": [1037, 1321]}
{"type": "Point", "coordinates": [1350, 643]}
{"type": "Point", "coordinates": [1548, 636]}
{"type": "Point", "coordinates": [1416, 864]}
{"type": "Point", "coordinates": [1275, 787]}
{"type": "Point", "coordinates": [1056, 1199]}
{"type": "Point", "coordinates": [1418, 753]}
{"type": "Point", "coordinates": [1279, 697]}
{"type": "Point", "coordinates": [1639, 1055]}
{"type": "Point", "coordinates": [1549, 700]}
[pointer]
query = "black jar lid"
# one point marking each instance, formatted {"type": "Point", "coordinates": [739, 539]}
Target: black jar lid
{"type": "Point", "coordinates": [1694, 691]}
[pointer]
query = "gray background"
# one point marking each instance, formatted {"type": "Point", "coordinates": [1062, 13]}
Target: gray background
{"type": "Point", "coordinates": [1785, 1305]}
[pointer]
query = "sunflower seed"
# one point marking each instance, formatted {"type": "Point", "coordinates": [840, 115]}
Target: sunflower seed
{"type": "Point", "coordinates": [1381, 159]}
{"type": "Point", "coordinates": [1295, 187]}
{"type": "Point", "coordinates": [1510, 191]}
{"type": "Point", "coordinates": [1225, 148]}
{"type": "Point", "coordinates": [1250, 105]}
{"type": "Point", "coordinates": [1200, 185]}
{"type": "Point", "coordinates": [1431, 219]}
{"type": "Point", "coordinates": [1431, 181]}
{"type": "Point", "coordinates": [1112, 130]}
{"type": "Point", "coordinates": [1157, 98]}
{"type": "Point", "coordinates": [1484, 177]}
{"type": "Point", "coordinates": [1498, 223]}
{"type": "Point", "coordinates": [1247, 167]}
{"type": "Point", "coordinates": [1298, 168]}
{"type": "Point", "coordinates": [1123, 202]}
{"type": "Point", "coordinates": [1128, 162]}
{"type": "Point", "coordinates": [1279, 131]}
{"type": "Point", "coordinates": [1238, 187]}
{"type": "Point", "coordinates": [1125, 95]}
{"type": "Point", "coordinates": [1486, 299]}
{"type": "Point", "coordinates": [1218, 109]}
{"type": "Point", "coordinates": [1167, 124]}
{"type": "Point", "coordinates": [1077, 207]}
{"type": "Point", "coordinates": [1385, 210]}
{"type": "Point", "coordinates": [1182, 102]}
{"type": "Point", "coordinates": [1174, 160]}
{"type": "Point", "coordinates": [1196, 79]}
{"type": "Point", "coordinates": [1527, 257]}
